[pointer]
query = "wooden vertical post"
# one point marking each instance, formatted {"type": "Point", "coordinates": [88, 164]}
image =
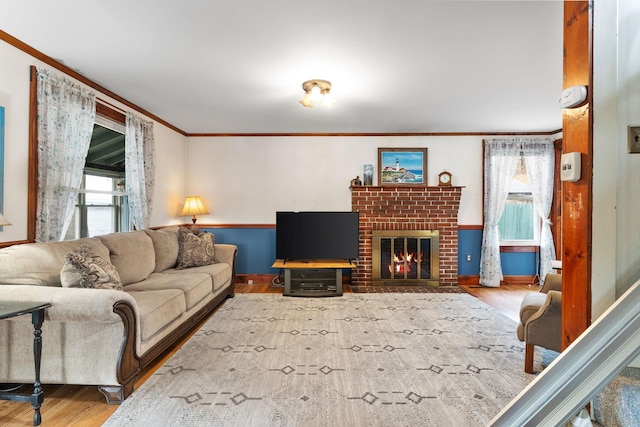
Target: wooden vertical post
{"type": "Point", "coordinates": [577, 131]}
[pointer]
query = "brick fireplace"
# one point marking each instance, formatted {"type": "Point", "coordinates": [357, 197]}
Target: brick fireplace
{"type": "Point", "coordinates": [386, 208]}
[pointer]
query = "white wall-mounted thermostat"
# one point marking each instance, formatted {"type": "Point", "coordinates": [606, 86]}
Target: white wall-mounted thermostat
{"type": "Point", "coordinates": [573, 96]}
{"type": "Point", "coordinates": [570, 167]}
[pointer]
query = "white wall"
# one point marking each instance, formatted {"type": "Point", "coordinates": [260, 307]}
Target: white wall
{"type": "Point", "coordinates": [605, 178]}
{"type": "Point", "coordinates": [616, 173]}
{"type": "Point", "coordinates": [628, 191]}
{"type": "Point", "coordinates": [14, 96]}
{"type": "Point", "coordinates": [246, 180]}
{"type": "Point", "coordinates": [616, 229]}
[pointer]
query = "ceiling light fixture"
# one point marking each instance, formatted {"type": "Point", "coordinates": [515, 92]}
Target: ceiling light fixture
{"type": "Point", "coordinates": [317, 92]}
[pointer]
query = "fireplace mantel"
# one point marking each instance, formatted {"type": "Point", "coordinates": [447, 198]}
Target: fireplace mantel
{"type": "Point", "coordinates": [408, 207]}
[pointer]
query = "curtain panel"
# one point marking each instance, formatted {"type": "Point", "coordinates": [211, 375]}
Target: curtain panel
{"type": "Point", "coordinates": [139, 169]}
{"type": "Point", "coordinates": [501, 159]}
{"type": "Point", "coordinates": [539, 157]}
{"type": "Point", "coordinates": [66, 114]}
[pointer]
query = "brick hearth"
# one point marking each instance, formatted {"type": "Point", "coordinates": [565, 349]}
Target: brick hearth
{"type": "Point", "coordinates": [408, 208]}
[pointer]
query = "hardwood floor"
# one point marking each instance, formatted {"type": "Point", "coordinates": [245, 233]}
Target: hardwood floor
{"type": "Point", "coordinates": [84, 405]}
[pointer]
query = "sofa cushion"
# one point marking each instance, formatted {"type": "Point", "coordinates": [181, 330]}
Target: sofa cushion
{"type": "Point", "coordinates": [196, 287]}
{"type": "Point", "coordinates": [220, 273]}
{"type": "Point", "coordinates": [158, 309]}
{"type": "Point", "coordinates": [195, 251]}
{"type": "Point", "coordinates": [132, 253]}
{"type": "Point", "coordinates": [41, 263]}
{"type": "Point", "coordinates": [84, 269]}
{"type": "Point", "coordinates": [165, 244]}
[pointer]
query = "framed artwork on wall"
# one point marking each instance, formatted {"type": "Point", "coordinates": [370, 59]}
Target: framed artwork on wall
{"type": "Point", "coordinates": [402, 166]}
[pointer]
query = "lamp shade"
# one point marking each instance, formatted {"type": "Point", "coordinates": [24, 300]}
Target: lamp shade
{"type": "Point", "coordinates": [3, 221]}
{"type": "Point", "coordinates": [193, 206]}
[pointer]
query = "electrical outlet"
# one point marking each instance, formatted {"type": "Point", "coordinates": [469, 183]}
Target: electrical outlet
{"type": "Point", "coordinates": [468, 257]}
{"type": "Point", "coordinates": [634, 139]}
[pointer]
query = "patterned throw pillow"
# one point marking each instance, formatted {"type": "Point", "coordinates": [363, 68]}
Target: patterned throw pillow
{"type": "Point", "coordinates": [84, 269]}
{"type": "Point", "coordinates": [195, 251]}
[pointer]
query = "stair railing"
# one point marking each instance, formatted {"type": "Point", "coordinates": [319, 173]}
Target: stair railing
{"type": "Point", "coordinates": [582, 370]}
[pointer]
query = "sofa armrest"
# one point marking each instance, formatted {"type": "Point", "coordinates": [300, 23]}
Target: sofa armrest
{"type": "Point", "coordinates": [226, 253]}
{"type": "Point", "coordinates": [105, 319]}
{"type": "Point", "coordinates": [72, 304]}
{"type": "Point", "coordinates": [552, 282]}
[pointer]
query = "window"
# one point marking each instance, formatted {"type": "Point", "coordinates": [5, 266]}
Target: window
{"type": "Point", "coordinates": [102, 204]}
{"type": "Point", "coordinates": [519, 223]}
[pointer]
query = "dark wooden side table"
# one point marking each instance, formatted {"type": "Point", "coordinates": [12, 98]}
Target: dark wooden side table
{"type": "Point", "coordinates": [12, 309]}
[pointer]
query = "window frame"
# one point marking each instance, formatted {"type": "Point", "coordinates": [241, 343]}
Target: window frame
{"type": "Point", "coordinates": [535, 220]}
{"type": "Point", "coordinates": [115, 121]}
{"type": "Point", "coordinates": [119, 205]}
{"type": "Point", "coordinates": [536, 226]}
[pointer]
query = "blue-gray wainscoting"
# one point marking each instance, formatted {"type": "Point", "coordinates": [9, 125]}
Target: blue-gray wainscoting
{"type": "Point", "coordinates": [257, 251]}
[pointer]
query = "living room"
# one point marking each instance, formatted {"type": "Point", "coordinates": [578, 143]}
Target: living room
{"type": "Point", "coordinates": [292, 170]}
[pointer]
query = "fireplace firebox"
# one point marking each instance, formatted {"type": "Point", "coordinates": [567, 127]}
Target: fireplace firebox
{"type": "Point", "coordinates": [402, 257]}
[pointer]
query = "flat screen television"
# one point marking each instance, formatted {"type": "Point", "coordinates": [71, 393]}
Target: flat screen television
{"type": "Point", "coordinates": [317, 235]}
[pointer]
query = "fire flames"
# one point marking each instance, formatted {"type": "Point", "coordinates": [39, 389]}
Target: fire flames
{"type": "Point", "coordinates": [404, 262]}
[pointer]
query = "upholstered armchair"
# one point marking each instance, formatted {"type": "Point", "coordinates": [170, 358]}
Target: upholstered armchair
{"type": "Point", "coordinates": [541, 320]}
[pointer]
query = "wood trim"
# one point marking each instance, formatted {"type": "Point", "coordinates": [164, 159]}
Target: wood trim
{"type": "Point", "coordinates": [128, 362]}
{"type": "Point", "coordinates": [16, 242]}
{"type": "Point", "coordinates": [202, 226]}
{"type": "Point", "coordinates": [470, 227]}
{"type": "Point", "coordinates": [555, 215]}
{"type": "Point", "coordinates": [468, 280]}
{"type": "Point", "coordinates": [109, 111]}
{"type": "Point", "coordinates": [577, 201]}
{"type": "Point", "coordinates": [72, 73]}
{"type": "Point", "coordinates": [257, 278]}
{"type": "Point", "coordinates": [188, 225]}
{"type": "Point", "coordinates": [519, 249]}
{"type": "Point", "coordinates": [32, 186]}
{"type": "Point", "coordinates": [355, 134]}
{"type": "Point", "coordinates": [507, 280]}
{"type": "Point", "coordinates": [520, 280]}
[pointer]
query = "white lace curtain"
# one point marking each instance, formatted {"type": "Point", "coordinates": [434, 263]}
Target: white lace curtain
{"type": "Point", "coordinates": [66, 114]}
{"type": "Point", "coordinates": [539, 158]}
{"type": "Point", "coordinates": [500, 162]}
{"type": "Point", "coordinates": [139, 169]}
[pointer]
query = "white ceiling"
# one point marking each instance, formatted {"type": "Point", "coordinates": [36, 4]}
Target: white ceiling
{"type": "Point", "coordinates": [237, 66]}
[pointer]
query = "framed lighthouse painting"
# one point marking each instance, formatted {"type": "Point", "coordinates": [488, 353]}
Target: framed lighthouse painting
{"type": "Point", "coordinates": [402, 166]}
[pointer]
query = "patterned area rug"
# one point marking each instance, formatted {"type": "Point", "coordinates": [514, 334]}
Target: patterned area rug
{"type": "Point", "coordinates": [357, 360]}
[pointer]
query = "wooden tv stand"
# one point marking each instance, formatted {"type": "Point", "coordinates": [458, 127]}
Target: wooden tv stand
{"type": "Point", "coordinates": [312, 278]}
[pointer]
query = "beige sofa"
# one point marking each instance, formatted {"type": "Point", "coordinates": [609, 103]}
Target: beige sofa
{"type": "Point", "coordinates": [104, 337]}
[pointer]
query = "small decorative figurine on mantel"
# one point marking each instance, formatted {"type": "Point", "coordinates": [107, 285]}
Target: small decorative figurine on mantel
{"type": "Point", "coordinates": [355, 182]}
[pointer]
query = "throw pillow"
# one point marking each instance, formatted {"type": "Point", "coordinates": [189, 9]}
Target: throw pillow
{"type": "Point", "coordinates": [84, 269]}
{"type": "Point", "coordinates": [195, 251]}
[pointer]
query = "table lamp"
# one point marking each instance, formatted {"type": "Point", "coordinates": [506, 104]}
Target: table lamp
{"type": "Point", "coordinates": [193, 206]}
